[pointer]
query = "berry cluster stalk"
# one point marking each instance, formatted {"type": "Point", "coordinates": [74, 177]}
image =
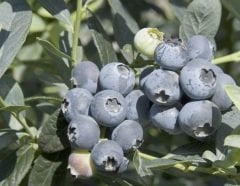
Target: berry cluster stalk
{"type": "Point", "coordinates": [77, 25]}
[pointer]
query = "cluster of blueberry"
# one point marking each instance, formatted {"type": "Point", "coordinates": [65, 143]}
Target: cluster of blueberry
{"type": "Point", "coordinates": [188, 90]}
{"type": "Point", "coordinates": [103, 99]}
{"type": "Point", "coordinates": [186, 94]}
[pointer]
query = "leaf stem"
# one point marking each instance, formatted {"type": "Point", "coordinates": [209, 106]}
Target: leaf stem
{"type": "Point", "coordinates": [146, 156]}
{"type": "Point", "coordinates": [228, 58]}
{"type": "Point", "coordinates": [77, 25]}
{"type": "Point", "coordinates": [23, 123]}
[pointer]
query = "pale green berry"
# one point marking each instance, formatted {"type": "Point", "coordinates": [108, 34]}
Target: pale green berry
{"type": "Point", "coordinates": [147, 39]}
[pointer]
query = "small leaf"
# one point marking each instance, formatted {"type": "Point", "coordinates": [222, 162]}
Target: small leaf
{"type": "Point", "coordinates": [25, 156]}
{"type": "Point", "coordinates": [233, 92]}
{"type": "Point", "coordinates": [201, 17]}
{"type": "Point", "coordinates": [43, 170]}
{"type": "Point", "coordinates": [53, 136]}
{"type": "Point", "coordinates": [233, 7]}
{"type": "Point", "coordinates": [15, 109]}
{"type": "Point", "coordinates": [124, 25]}
{"type": "Point", "coordinates": [101, 41]}
{"type": "Point", "coordinates": [52, 49]}
{"type": "Point", "coordinates": [128, 53]}
{"type": "Point", "coordinates": [232, 141]}
{"type": "Point", "coordinates": [15, 19]}
{"type": "Point", "coordinates": [58, 9]}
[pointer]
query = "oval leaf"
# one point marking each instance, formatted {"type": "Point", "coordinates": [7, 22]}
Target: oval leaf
{"type": "Point", "coordinates": [201, 17]}
{"type": "Point", "coordinates": [101, 41]}
{"type": "Point", "coordinates": [43, 171]}
{"type": "Point", "coordinates": [124, 25]}
{"type": "Point", "coordinates": [15, 19]}
{"type": "Point", "coordinates": [53, 137]}
{"type": "Point", "coordinates": [234, 94]}
{"type": "Point", "coordinates": [58, 9]}
{"type": "Point", "coordinates": [25, 156]}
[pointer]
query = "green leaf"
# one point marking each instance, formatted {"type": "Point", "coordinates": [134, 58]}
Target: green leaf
{"type": "Point", "coordinates": [25, 156]}
{"type": "Point", "coordinates": [201, 17]}
{"type": "Point", "coordinates": [179, 8]}
{"type": "Point", "coordinates": [49, 47]}
{"type": "Point", "coordinates": [15, 19]}
{"type": "Point", "coordinates": [12, 94]}
{"type": "Point", "coordinates": [53, 136]}
{"type": "Point", "coordinates": [124, 25]}
{"type": "Point", "coordinates": [232, 6]}
{"type": "Point", "coordinates": [58, 9]}
{"type": "Point", "coordinates": [43, 171]}
{"type": "Point", "coordinates": [128, 53]}
{"type": "Point", "coordinates": [230, 121]}
{"type": "Point", "coordinates": [232, 141]}
{"type": "Point", "coordinates": [233, 92]}
{"type": "Point", "coordinates": [15, 109]}
{"type": "Point", "coordinates": [101, 41]}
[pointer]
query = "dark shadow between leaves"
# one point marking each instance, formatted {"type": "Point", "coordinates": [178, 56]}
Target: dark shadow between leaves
{"type": "Point", "coordinates": [62, 126]}
{"type": "Point", "coordinates": [3, 36]}
{"type": "Point", "coordinates": [7, 164]}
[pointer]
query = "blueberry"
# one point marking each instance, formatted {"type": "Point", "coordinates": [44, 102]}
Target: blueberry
{"type": "Point", "coordinates": [138, 106]}
{"type": "Point", "coordinates": [79, 164]}
{"type": "Point", "coordinates": [220, 97]}
{"type": "Point", "coordinates": [117, 76]}
{"type": "Point", "coordinates": [83, 132]}
{"type": "Point", "coordinates": [108, 156]}
{"type": "Point", "coordinates": [199, 47]}
{"type": "Point", "coordinates": [171, 54]}
{"type": "Point", "coordinates": [109, 108]}
{"type": "Point", "coordinates": [200, 119]}
{"type": "Point", "coordinates": [165, 118]}
{"type": "Point", "coordinates": [85, 75]}
{"type": "Point", "coordinates": [129, 135]}
{"type": "Point", "coordinates": [144, 75]}
{"type": "Point", "coordinates": [198, 79]}
{"type": "Point", "coordinates": [162, 87]}
{"type": "Point", "coordinates": [77, 101]}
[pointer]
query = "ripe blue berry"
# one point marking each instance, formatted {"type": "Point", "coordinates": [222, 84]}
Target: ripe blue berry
{"type": "Point", "coordinates": [129, 135]}
{"type": "Point", "coordinates": [117, 76]}
{"type": "Point", "coordinates": [83, 132]}
{"type": "Point", "coordinates": [162, 87]}
{"type": "Point", "coordinates": [108, 156]}
{"type": "Point", "coordinates": [77, 101]}
{"type": "Point", "coordinates": [144, 75]}
{"type": "Point", "coordinates": [198, 79]}
{"type": "Point", "coordinates": [199, 47]}
{"type": "Point", "coordinates": [200, 119]}
{"type": "Point", "coordinates": [108, 108]}
{"type": "Point", "coordinates": [165, 118]}
{"type": "Point", "coordinates": [220, 97]}
{"type": "Point", "coordinates": [85, 75]}
{"type": "Point", "coordinates": [171, 54]}
{"type": "Point", "coordinates": [138, 106]}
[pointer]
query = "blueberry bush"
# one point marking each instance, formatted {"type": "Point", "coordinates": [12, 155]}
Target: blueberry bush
{"type": "Point", "coordinates": [117, 92]}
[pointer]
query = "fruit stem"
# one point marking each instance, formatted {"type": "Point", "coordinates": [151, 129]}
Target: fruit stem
{"type": "Point", "coordinates": [228, 58]}
{"type": "Point", "coordinates": [77, 26]}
